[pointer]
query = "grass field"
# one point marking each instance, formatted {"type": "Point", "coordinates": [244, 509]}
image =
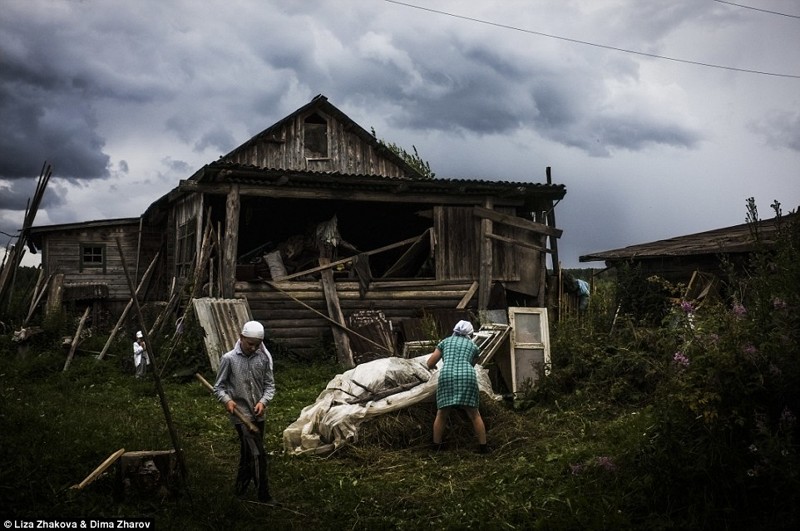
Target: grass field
{"type": "Point", "coordinates": [58, 426]}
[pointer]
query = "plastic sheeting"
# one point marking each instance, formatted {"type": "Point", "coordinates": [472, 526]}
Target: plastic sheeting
{"type": "Point", "coordinates": [359, 395]}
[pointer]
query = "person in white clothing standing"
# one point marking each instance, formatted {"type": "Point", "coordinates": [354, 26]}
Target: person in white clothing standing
{"type": "Point", "coordinates": [140, 358]}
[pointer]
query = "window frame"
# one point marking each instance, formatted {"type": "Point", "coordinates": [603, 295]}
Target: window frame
{"type": "Point", "coordinates": [89, 250]}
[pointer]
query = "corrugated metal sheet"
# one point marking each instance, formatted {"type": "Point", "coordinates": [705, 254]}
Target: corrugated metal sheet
{"type": "Point", "coordinates": [221, 320]}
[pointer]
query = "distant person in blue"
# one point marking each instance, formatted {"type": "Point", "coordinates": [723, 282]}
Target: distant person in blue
{"type": "Point", "coordinates": [583, 294]}
{"type": "Point", "coordinates": [457, 386]}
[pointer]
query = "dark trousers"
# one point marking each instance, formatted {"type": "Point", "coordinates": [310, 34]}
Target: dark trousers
{"type": "Point", "coordinates": [252, 460]}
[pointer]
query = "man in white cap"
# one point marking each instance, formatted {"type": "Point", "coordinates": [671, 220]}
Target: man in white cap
{"type": "Point", "coordinates": [140, 358]}
{"type": "Point", "coordinates": [245, 382]}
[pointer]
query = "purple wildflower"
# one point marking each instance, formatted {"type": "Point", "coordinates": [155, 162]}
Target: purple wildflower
{"type": "Point", "coordinates": [779, 304]}
{"type": "Point", "coordinates": [787, 417]}
{"type": "Point", "coordinates": [680, 359]}
{"type": "Point", "coordinates": [713, 338]}
{"type": "Point", "coordinates": [687, 307]}
{"type": "Point", "coordinates": [606, 463]}
{"type": "Point", "coordinates": [749, 350]}
{"type": "Point", "coordinates": [739, 310]}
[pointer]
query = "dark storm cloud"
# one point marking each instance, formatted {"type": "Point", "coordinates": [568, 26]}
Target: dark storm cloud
{"type": "Point", "coordinates": [779, 129]}
{"type": "Point", "coordinates": [633, 134]}
{"type": "Point", "coordinates": [45, 114]}
{"type": "Point", "coordinates": [47, 125]}
{"type": "Point", "coordinates": [178, 167]}
{"type": "Point", "coordinates": [17, 194]}
{"type": "Point", "coordinates": [219, 138]}
{"type": "Point", "coordinates": [486, 88]}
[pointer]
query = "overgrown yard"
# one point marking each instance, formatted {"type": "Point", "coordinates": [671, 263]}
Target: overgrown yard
{"type": "Point", "coordinates": [658, 413]}
{"type": "Point", "coordinates": [58, 426]}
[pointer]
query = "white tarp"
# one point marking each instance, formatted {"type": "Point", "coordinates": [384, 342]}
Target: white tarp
{"type": "Point", "coordinates": [358, 395]}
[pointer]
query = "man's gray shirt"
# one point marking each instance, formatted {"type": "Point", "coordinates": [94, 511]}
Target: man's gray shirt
{"type": "Point", "coordinates": [246, 380]}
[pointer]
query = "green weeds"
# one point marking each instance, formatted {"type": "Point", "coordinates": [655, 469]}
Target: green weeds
{"type": "Point", "coordinates": [679, 418]}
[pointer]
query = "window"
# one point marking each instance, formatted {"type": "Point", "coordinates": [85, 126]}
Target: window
{"type": "Point", "coordinates": [93, 256]}
{"type": "Point", "coordinates": [186, 248]}
{"type": "Point", "coordinates": [315, 137]}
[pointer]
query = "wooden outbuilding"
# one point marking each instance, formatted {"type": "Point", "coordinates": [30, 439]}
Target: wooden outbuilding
{"type": "Point", "coordinates": [326, 231]}
{"type": "Point", "coordinates": [678, 259]}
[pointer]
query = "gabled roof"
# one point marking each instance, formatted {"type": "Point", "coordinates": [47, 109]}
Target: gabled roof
{"type": "Point", "coordinates": [728, 240]}
{"type": "Point", "coordinates": [321, 103]}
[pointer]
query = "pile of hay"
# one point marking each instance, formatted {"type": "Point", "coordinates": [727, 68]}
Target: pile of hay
{"type": "Point", "coordinates": [413, 426]}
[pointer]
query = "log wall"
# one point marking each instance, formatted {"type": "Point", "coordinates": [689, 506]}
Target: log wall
{"type": "Point", "coordinates": [304, 331]}
{"type": "Point", "coordinates": [62, 254]}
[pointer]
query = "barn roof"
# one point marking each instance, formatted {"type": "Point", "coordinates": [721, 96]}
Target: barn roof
{"type": "Point", "coordinates": [39, 229]}
{"type": "Point", "coordinates": [728, 240]}
{"type": "Point", "coordinates": [226, 172]}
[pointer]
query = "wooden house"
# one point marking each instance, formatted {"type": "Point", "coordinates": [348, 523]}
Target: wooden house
{"type": "Point", "coordinates": [322, 228]}
{"type": "Point", "coordinates": [83, 262]}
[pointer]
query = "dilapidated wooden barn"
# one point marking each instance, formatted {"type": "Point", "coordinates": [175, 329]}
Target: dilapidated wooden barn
{"type": "Point", "coordinates": [678, 258]}
{"type": "Point", "coordinates": [324, 230]}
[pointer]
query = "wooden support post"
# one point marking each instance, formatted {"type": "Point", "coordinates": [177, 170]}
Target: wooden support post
{"type": "Point", "coordinates": [76, 339]}
{"type": "Point", "coordinates": [151, 351]}
{"type": "Point", "coordinates": [201, 261]}
{"type": "Point", "coordinates": [55, 295]}
{"type": "Point", "coordinates": [128, 306]}
{"type": "Point", "coordinates": [231, 242]}
{"type": "Point", "coordinates": [486, 258]}
{"type": "Point", "coordinates": [343, 350]}
{"type": "Point", "coordinates": [37, 298]}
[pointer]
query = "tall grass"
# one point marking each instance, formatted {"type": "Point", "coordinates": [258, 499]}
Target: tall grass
{"type": "Point", "coordinates": [685, 423]}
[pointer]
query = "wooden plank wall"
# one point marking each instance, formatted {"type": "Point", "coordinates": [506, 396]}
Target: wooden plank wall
{"type": "Point", "coordinates": [63, 255]}
{"type": "Point", "coordinates": [348, 153]}
{"type": "Point", "coordinates": [457, 247]}
{"type": "Point", "coordinates": [303, 331]}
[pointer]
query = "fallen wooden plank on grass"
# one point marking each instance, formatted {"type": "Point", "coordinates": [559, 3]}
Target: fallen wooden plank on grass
{"type": "Point", "coordinates": [100, 469]}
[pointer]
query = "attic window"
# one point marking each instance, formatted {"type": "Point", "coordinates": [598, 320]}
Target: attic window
{"type": "Point", "coordinates": [315, 135]}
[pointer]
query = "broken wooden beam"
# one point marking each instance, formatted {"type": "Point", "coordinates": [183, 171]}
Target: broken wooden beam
{"type": "Point", "coordinates": [343, 350]}
{"type": "Point", "coordinates": [350, 259]}
{"type": "Point", "coordinates": [346, 329]}
{"type": "Point", "coordinates": [100, 469]}
{"type": "Point", "coordinates": [77, 338]}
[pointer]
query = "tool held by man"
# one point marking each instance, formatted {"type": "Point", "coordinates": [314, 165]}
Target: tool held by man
{"type": "Point", "coordinates": [241, 416]}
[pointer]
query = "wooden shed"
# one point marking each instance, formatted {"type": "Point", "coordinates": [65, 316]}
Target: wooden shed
{"type": "Point", "coordinates": [325, 231]}
{"type": "Point", "coordinates": [84, 261]}
{"type": "Point", "coordinates": [678, 259]}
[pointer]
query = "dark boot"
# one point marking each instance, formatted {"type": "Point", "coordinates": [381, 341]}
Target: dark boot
{"type": "Point", "coordinates": [240, 488]}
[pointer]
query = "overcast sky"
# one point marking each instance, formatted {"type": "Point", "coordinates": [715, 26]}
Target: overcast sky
{"type": "Point", "coordinates": [125, 99]}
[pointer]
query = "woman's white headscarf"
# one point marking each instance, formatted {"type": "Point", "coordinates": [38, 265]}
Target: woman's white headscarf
{"type": "Point", "coordinates": [463, 328]}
